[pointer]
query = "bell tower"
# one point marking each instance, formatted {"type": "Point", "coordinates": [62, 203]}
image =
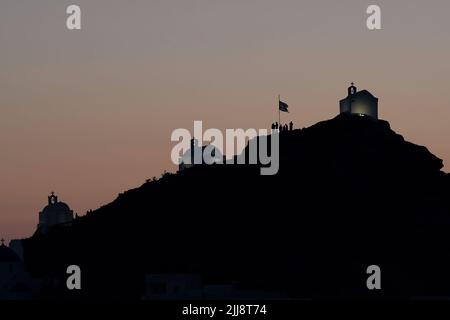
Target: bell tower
{"type": "Point", "coordinates": [52, 199]}
{"type": "Point", "coordinates": [352, 89]}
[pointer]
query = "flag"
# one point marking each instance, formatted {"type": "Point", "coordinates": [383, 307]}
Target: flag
{"type": "Point", "coordinates": [283, 106]}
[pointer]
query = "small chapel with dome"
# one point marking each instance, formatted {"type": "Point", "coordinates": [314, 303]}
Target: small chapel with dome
{"type": "Point", "coordinates": [55, 213]}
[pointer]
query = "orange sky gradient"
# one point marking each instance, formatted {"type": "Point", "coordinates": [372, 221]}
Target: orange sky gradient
{"type": "Point", "coordinates": [89, 114]}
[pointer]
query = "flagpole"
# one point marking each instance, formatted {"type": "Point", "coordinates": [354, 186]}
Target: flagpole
{"type": "Point", "coordinates": [279, 112]}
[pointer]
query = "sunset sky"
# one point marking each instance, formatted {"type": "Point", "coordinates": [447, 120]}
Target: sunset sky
{"type": "Point", "coordinates": [89, 114]}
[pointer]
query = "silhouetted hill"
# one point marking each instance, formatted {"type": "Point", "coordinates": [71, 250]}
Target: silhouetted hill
{"type": "Point", "coordinates": [350, 193]}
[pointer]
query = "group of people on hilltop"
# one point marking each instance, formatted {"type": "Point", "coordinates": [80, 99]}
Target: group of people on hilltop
{"type": "Point", "coordinates": [281, 127]}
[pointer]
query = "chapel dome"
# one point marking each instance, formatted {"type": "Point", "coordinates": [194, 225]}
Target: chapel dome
{"type": "Point", "coordinates": [7, 255]}
{"type": "Point", "coordinates": [57, 208]}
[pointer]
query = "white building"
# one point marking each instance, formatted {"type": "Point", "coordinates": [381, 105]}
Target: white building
{"type": "Point", "coordinates": [15, 283]}
{"type": "Point", "coordinates": [361, 103]}
{"type": "Point", "coordinates": [192, 287]}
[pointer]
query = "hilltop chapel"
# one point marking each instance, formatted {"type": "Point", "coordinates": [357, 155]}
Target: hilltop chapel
{"type": "Point", "coordinates": [361, 103]}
